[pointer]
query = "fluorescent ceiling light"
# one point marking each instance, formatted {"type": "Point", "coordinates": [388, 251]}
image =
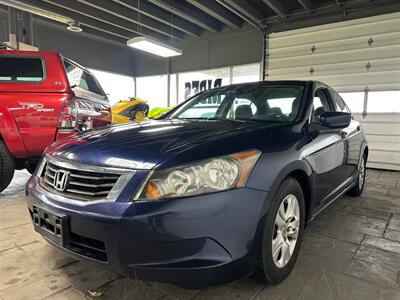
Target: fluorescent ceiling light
{"type": "Point", "coordinates": [154, 47]}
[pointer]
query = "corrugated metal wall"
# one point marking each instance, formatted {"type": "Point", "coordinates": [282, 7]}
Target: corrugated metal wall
{"type": "Point", "coordinates": [350, 56]}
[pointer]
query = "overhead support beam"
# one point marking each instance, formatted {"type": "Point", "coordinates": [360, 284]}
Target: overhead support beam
{"type": "Point", "coordinates": [306, 4]}
{"type": "Point", "coordinates": [130, 16]}
{"type": "Point", "coordinates": [219, 12]}
{"type": "Point", "coordinates": [190, 13]}
{"type": "Point", "coordinates": [339, 3]}
{"type": "Point", "coordinates": [244, 10]}
{"type": "Point", "coordinates": [87, 16]}
{"type": "Point", "coordinates": [277, 6]}
{"type": "Point", "coordinates": [154, 12]}
{"type": "Point", "coordinates": [91, 26]}
{"type": "Point", "coordinates": [67, 16]}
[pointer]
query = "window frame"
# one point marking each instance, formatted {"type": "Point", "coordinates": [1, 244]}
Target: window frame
{"type": "Point", "coordinates": [334, 94]}
{"type": "Point", "coordinates": [44, 70]}
{"type": "Point", "coordinates": [325, 92]}
{"type": "Point", "coordinates": [103, 95]}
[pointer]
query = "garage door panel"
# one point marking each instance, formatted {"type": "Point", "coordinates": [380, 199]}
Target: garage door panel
{"type": "Point", "coordinates": [375, 65]}
{"type": "Point", "coordinates": [389, 159]}
{"type": "Point", "coordinates": [379, 118]}
{"type": "Point", "coordinates": [381, 128]}
{"type": "Point", "coordinates": [336, 31]}
{"type": "Point", "coordinates": [335, 57]}
{"type": "Point", "coordinates": [394, 86]}
{"type": "Point", "coordinates": [382, 40]}
{"type": "Point", "coordinates": [390, 80]}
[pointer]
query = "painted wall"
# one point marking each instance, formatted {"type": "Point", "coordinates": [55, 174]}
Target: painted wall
{"type": "Point", "coordinates": [3, 26]}
{"type": "Point", "coordinates": [223, 49]}
{"type": "Point", "coordinates": [85, 49]}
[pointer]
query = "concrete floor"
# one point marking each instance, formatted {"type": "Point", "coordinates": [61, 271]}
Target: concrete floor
{"type": "Point", "coordinates": [352, 251]}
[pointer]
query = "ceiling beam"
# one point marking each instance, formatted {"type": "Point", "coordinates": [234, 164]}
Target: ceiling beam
{"type": "Point", "coordinates": [82, 13]}
{"type": "Point", "coordinates": [89, 22]}
{"type": "Point", "coordinates": [277, 6]}
{"type": "Point", "coordinates": [306, 4]}
{"type": "Point", "coordinates": [87, 32]}
{"type": "Point", "coordinates": [130, 16]}
{"type": "Point", "coordinates": [190, 13]}
{"type": "Point", "coordinates": [212, 8]}
{"type": "Point", "coordinates": [244, 10]}
{"type": "Point", "coordinates": [154, 12]}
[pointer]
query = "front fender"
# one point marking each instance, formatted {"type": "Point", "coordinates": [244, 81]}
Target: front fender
{"type": "Point", "coordinates": [363, 147]}
{"type": "Point", "coordinates": [272, 169]}
{"type": "Point", "coordinates": [10, 133]}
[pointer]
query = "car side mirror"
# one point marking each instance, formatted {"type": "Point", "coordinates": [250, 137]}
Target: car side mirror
{"type": "Point", "coordinates": [333, 119]}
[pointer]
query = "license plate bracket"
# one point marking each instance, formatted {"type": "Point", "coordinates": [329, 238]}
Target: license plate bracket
{"type": "Point", "coordinates": [50, 225]}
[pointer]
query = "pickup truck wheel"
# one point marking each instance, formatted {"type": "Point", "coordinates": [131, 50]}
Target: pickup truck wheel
{"type": "Point", "coordinates": [283, 233]}
{"type": "Point", "coordinates": [6, 166]}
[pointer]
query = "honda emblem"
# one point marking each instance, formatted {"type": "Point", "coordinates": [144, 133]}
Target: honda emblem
{"type": "Point", "coordinates": [60, 180]}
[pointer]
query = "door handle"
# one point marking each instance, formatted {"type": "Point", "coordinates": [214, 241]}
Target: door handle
{"type": "Point", "coordinates": [344, 134]}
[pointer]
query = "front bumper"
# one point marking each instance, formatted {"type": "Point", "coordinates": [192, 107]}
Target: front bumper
{"type": "Point", "coordinates": [192, 242]}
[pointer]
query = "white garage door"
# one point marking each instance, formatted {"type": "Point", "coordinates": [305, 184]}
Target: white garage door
{"type": "Point", "coordinates": [351, 56]}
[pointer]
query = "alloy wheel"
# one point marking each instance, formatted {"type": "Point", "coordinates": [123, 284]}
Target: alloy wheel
{"type": "Point", "coordinates": [286, 231]}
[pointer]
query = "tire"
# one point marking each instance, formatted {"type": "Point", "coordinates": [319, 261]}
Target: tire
{"type": "Point", "coordinates": [6, 166]}
{"type": "Point", "coordinates": [274, 269]}
{"type": "Point", "coordinates": [358, 188]}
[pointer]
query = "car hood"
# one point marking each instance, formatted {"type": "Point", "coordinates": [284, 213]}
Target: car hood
{"type": "Point", "coordinates": [146, 145]}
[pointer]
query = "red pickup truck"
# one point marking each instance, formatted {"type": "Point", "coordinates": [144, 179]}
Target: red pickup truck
{"type": "Point", "coordinates": [43, 97]}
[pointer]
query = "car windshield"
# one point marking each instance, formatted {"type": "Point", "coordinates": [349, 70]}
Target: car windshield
{"type": "Point", "coordinates": [267, 103]}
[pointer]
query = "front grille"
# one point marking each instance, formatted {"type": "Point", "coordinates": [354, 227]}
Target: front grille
{"type": "Point", "coordinates": [78, 184]}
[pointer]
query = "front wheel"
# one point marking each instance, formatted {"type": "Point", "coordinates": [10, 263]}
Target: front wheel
{"type": "Point", "coordinates": [358, 188]}
{"type": "Point", "coordinates": [283, 233]}
{"type": "Point", "coordinates": [6, 166]}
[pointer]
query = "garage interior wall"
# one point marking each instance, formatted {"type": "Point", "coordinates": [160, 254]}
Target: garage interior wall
{"type": "Point", "coordinates": [3, 25]}
{"type": "Point", "coordinates": [226, 48]}
{"type": "Point", "coordinates": [88, 50]}
{"type": "Point", "coordinates": [360, 57]}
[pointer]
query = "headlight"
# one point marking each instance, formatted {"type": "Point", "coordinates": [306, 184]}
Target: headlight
{"type": "Point", "coordinates": [207, 176]}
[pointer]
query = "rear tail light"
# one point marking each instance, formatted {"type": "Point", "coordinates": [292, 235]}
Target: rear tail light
{"type": "Point", "coordinates": [69, 115]}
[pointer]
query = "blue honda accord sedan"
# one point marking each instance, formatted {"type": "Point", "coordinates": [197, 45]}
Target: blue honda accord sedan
{"type": "Point", "coordinates": [218, 189]}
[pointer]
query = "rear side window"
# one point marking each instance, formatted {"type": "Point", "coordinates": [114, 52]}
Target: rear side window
{"type": "Point", "coordinates": [78, 77]}
{"type": "Point", "coordinates": [21, 69]}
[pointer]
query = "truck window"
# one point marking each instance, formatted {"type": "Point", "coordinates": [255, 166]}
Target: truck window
{"type": "Point", "coordinates": [78, 77]}
{"type": "Point", "coordinates": [21, 69]}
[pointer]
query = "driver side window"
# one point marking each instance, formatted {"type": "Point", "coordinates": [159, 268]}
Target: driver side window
{"type": "Point", "coordinates": [320, 105]}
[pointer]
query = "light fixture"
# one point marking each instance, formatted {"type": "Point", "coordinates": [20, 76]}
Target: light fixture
{"type": "Point", "coordinates": [74, 26]}
{"type": "Point", "coordinates": [152, 46]}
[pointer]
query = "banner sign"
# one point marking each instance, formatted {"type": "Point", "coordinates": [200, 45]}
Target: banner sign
{"type": "Point", "coordinates": [197, 86]}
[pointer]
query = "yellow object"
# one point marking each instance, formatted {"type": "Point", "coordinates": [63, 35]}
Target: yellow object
{"type": "Point", "coordinates": [134, 109]}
